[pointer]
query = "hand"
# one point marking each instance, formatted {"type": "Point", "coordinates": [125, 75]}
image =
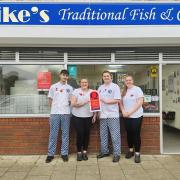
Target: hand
{"type": "Point", "coordinates": [86, 101]}
{"type": "Point", "coordinates": [82, 103]}
{"type": "Point", "coordinates": [126, 114]}
{"type": "Point", "coordinates": [104, 101]}
{"type": "Point", "coordinates": [94, 119]}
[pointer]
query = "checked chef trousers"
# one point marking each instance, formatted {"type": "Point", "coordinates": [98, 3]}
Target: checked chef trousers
{"type": "Point", "coordinates": [113, 124]}
{"type": "Point", "coordinates": [56, 122]}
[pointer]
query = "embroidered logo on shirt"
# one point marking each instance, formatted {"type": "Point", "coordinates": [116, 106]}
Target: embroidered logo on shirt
{"type": "Point", "coordinates": [109, 91]}
{"type": "Point", "coordinates": [81, 94]}
{"type": "Point", "coordinates": [68, 90]}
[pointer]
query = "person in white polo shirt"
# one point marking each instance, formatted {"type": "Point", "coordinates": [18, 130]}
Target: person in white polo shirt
{"type": "Point", "coordinates": [131, 107]}
{"type": "Point", "coordinates": [82, 118]}
{"type": "Point", "coordinates": [59, 99]}
{"type": "Point", "coordinates": [109, 116]}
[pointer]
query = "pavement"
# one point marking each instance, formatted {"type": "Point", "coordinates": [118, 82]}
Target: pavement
{"type": "Point", "coordinates": [155, 167]}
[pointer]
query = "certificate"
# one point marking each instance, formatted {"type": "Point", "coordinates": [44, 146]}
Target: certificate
{"type": "Point", "coordinates": [95, 104]}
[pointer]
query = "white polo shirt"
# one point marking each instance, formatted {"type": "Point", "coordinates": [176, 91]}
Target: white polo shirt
{"type": "Point", "coordinates": [82, 96]}
{"type": "Point", "coordinates": [130, 100]}
{"type": "Point", "coordinates": [110, 92]}
{"type": "Point", "coordinates": [60, 95]}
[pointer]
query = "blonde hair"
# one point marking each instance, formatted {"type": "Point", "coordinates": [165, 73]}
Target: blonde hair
{"type": "Point", "coordinates": [86, 80]}
{"type": "Point", "coordinates": [124, 90]}
{"type": "Point", "coordinates": [83, 79]}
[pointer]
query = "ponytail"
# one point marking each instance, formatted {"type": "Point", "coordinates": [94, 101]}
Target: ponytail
{"type": "Point", "coordinates": [124, 91]}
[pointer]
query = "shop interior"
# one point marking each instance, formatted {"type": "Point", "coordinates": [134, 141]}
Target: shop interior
{"type": "Point", "coordinates": [20, 93]}
{"type": "Point", "coordinates": [171, 107]}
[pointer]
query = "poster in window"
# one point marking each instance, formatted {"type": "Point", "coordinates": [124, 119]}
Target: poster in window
{"type": "Point", "coordinates": [148, 91]}
{"type": "Point", "coordinates": [154, 71]}
{"type": "Point", "coordinates": [44, 80]}
{"type": "Point", "coordinates": [171, 83]}
{"type": "Point", "coordinates": [153, 92]}
{"type": "Point", "coordinates": [178, 73]}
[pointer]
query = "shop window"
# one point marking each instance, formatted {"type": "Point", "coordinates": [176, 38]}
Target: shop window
{"type": "Point", "coordinates": [145, 76]}
{"type": "Point", "coordinates": [171, 95]}
{"type": "Point", "coordinates": [24, 88]}
{"type": "Point", "coordinates": [170, 107]}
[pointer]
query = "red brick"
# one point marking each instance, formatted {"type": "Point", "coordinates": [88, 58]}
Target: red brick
{"type": "Point", "coordinates": [30, 136]}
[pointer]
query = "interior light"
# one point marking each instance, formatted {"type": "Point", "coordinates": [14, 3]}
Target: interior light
{"type": "Point", "coordinates": [116, 65]}
{"type": "Point", "coordinates": [112, 70]}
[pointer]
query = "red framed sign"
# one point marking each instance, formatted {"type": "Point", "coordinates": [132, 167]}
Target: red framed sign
{"type": "Point", "coordinates": [44, 80]}
{"type": "Point", "coordinates": [95, 104]}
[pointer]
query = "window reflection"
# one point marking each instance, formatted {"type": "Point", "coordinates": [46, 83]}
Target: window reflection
{"type": "Point", "coordinates": [19, 93]}
{"type": "Point", "coordinates": [145, 76]}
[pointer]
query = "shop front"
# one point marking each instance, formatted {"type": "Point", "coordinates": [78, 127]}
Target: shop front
{"type": "Point", "coordinates": [31, 55]}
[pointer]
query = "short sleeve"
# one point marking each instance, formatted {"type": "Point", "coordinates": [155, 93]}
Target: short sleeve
{"type": "Point", "coordinates": [117, 93]}
{"type": "Point", "coordinates": [51, 92]}
{"type": "Point", "coordinates": [98, 89]}
{"type": "Point", "coordinates": [139, 92]}
{"type": "Point", "coordinates": [75, 93]}
{"type": "Point", "coordinates": [71, 91]}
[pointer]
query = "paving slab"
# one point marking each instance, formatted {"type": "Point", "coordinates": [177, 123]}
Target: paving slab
{"type": "Point", "coordinates": [152, 167]}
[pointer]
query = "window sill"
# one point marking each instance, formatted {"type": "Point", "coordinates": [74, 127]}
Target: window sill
{"type": "Point", "coordinates": [47, 115]}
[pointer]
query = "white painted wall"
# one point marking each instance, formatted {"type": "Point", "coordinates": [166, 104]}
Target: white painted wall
{"type": "Point", "coordinates": [89, 36]}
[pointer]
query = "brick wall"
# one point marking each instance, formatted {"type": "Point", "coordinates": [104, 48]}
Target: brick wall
{"type": "Point", "coordinates": [30, 136]}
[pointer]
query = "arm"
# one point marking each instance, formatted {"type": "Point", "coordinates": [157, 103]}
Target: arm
{"type": "Point", "coordinates": [137, 106]}
{"type": "Point", "coordinates": [110, 101]}
{"type": "Point", "coordinates": [50, 96]}
{"type": "Point", "coordinates": [121, 106]}
{"type": "Point", "coordinates": [50, 102]}
{"type": "Point", "coordinates": [124, 113]}
{"type": "Point", "coordinates": [94, 117]}
{"type": "Point", "coordinates": [115, 99]}
{"type": "Point", "coordinates": [74, 102]}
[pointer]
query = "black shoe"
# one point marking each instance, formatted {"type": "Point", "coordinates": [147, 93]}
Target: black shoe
{"type": "Point", "coordinates": [49, 159]}
{"type": "Point", "coordinates": [129, 154]}
{"type": "Point", "coordinates": [79, 157]}
{"type": "Point", "coordinates": [84, 156]}
{"type": "Point", "coordinates": [116, 158]}
{"type": "Point", "coordinates": [102, 155]}
{"type": "Point", "coordinates": [137, 158]}
{"type": "Point", "coordinates": [65, 158]}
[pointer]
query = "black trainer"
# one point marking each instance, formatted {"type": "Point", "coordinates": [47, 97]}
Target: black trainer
{"type": "Point", "coordinates": [129, 154]}
{"type": "Point", "coordinates": [49, 159]}
{"type": "Point", "coordinates": [116, 158]}
{"type": "Point", "coordinates": [79, 157]}
{"type": "Point", "coordinates": [84, 156]}
{"type": "Point", "coordinates": [137, 158]}
{"type": "Point", "coordinates": [102, 155]}
{"type": "Point", "coordinates": [65, 158]}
